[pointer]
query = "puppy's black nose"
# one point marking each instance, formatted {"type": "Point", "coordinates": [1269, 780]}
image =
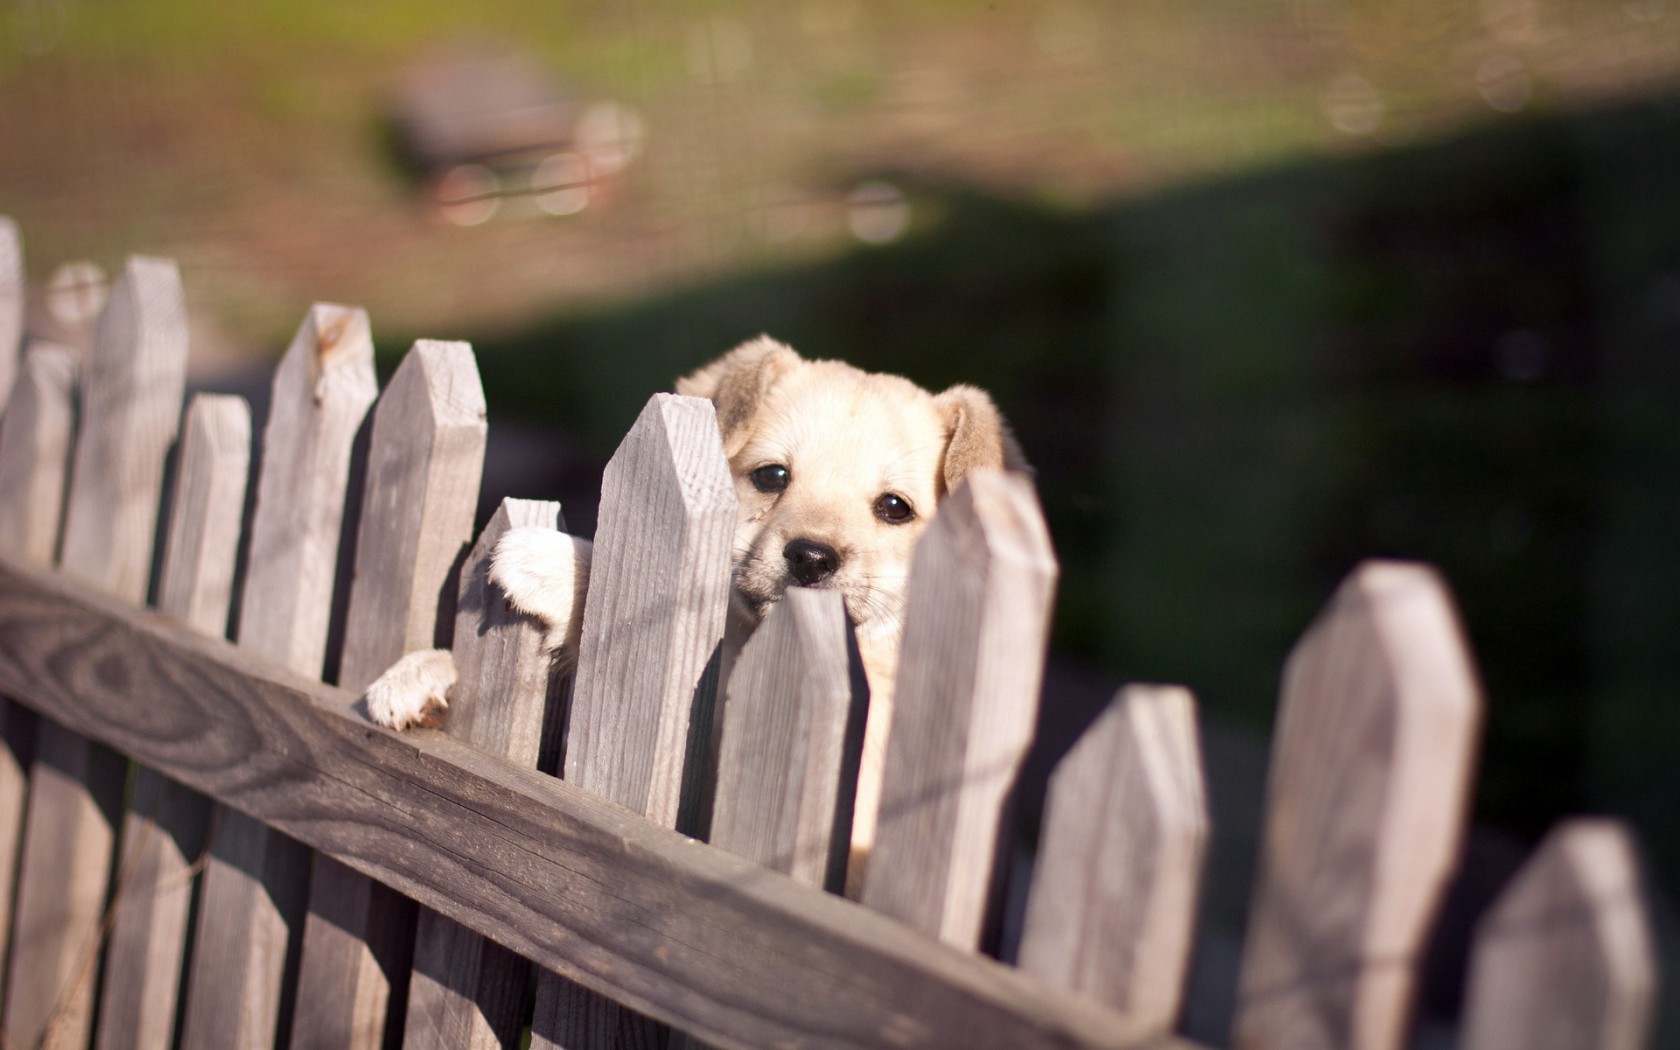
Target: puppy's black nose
{"type": "Point", "coordinates": [809, 562]}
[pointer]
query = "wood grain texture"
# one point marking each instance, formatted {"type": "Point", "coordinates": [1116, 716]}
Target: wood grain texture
{"type": "Point", "coordinates": [467, 992]}
{"type": "Point", "coordinates": [709, 942]}
{"type": "Point", "coordinates": [782, 759]}
{"type": "Point", "coordinates": [131, 412]}
{"type": "Point", "coordinates": [75, 794]}
{"type": "Point", "coordinates": [653, 618]}
{"type": "Point", "coordinates": [202, 545]}
{"type": "Point", "coordinates": [1370, 772]}
{"type": "Point", "coordinates": [321, 392]}
{"type": "Point", "coordinates": [166, 825]}
{"type": "Point", "coordinates": [35, 440]}
{"type": "Point", "coordinates": [1112, 907]}
{"type": "Point", "coordinates": [1564, 960]}
{"type": "Point", "coordinates": [12, 296]}
{"type": "Point", "coordinates": [658, 592]}
{"type": "Point", "coordinates": [976, 626]}
{"type": "Point", "coordinates": [425, 459]}
{"type": "Point", "coordinates": [131, 407]}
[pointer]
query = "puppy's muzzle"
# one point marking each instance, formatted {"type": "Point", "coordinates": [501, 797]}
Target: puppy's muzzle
{"type": "Point", "coordinates": [809, 562]}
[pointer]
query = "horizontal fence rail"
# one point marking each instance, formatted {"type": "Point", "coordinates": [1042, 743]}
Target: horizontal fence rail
{"type": "Point", "coordinates": [207, 842]}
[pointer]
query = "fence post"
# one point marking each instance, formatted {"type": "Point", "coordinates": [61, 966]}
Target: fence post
{"type": "Point", "coordinates": [466, 992]}
{"type": "Point", "coordinates": [35, 437]}
{"type": "Point", "coordinates": [782, 764]}
{"type": "Point", "coordinates": [1113, 901]}
{"type": "Point", "coordinates": [425, 459]}
{"type": "Point", "coordinates": [12, 297]}
{"type": "Point", "coordinates": [166, 824]}
{"type": "Point", "coordinates": [1564, 961]}
{"type": "Point", "coordinates": [1370, 772]}
{"type": "Point", "coordinates": [253, 885]}
{"type": "Point", "coordinates": [976, 627]}
{"type": "Point", "coordinates": [653, 620]}
{"type": "Point", "coordinates": [131, 410]}
{"type": "Point", "coordinates": [35, 440]}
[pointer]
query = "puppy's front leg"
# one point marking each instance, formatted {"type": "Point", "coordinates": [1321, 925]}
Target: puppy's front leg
{"type": "Point", "coordinates": [544, 574]}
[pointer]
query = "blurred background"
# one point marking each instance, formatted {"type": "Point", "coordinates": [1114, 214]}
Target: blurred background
{"type": "Point", "coordinates": [1266, 288]}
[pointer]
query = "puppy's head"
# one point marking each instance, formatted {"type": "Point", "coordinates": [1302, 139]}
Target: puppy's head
{"type": "Point", "coordinates": [838, 472]}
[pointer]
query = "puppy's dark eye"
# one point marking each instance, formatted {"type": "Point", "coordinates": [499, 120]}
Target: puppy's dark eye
{"type": "Point", "coordinates": [894, 509]}
{"type": "Point", "coordinates": [771, 478]}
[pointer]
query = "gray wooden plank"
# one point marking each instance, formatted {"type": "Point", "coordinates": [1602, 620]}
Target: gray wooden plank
{"type": "Point", "coordinates": [977, 622]}
{"type": "Point", "coordinates": [658, 592]}
{"type": "Point", "coordinates": [1564, 959]}
{"type": "Point", "coordinates": [35, 441]}
{"type": "Point", "coordinates": [131, 412]}
{"type": "Point", "coordinates": [467, 992]}
{"type": "Point", "coordinates": [781, 766]}
{"type": "Point", "coordinates": [1370, 774]}
{"type": "Point", "coordinates": [166, 825]}
{"type": "Point", "coordinates": [699, 938]}
{"type": "Point", "coordinates": [653, 620]}
{"type": "Point", "coordinates": [131, 408]}
{"type": "Point", "coordinates": [12, 297]}
{"type": "Point", "coordinates": [1112, 907]}
{"type": "Point", "coordinates": [425, 460]}
{"type": "Point", "coordinates": [321, 393]}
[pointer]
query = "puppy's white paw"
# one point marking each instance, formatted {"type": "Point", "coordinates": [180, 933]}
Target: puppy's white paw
{"type": "Point", "coordinates": [414, 691]}
{"type": "Point", "coordinates": [545, 574]}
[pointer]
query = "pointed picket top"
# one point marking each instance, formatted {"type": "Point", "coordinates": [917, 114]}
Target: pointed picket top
{"type": "Point", "coordinates": [459, 994]}
{"type": "Point", "coordinates": [196, 584]}
{"type": "Point", "coordinates": [503, 670]}
{"type": "Point", "coordinates": [322, 389]}
{"type": "Point", "coordinates": [1564, 960]}
{"type": "Point", "coordinates": [134, 383]}
{"type": "Point", "coordinates": [1113, 901]}
{"type": "Point", "coordinates": [653, 618]}
{"type": "Point", "coordinates": [1370, 773]}
{"type": "Point", "coordinates": [781, 762]}
{"type": "Point", "coordinates": [12, 291]}
{"type": "Point", "coordinates": [425, 461]}
{"type": "Point", "coordinates": [976, 625]}
{"type": "Point", "coordinates": [36, 431]}
{"type": "Point", "coordinates": [658, 592]}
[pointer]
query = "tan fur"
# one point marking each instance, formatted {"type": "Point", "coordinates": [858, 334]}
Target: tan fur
{"type": "Point", "coordinates": [847, 437]}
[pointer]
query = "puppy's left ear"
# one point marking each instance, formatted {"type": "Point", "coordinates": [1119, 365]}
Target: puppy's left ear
{"type": "Point", "coordinates": [737, 382]}
{"type": "Point", "coordinates": [976, 435]}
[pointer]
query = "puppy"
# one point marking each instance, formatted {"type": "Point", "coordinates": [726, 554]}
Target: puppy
{"type": "Point", "coordinates": [838, 472]}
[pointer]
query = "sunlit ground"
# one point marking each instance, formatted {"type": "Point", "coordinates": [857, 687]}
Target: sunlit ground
{"type": "Point", "coordinates": [247, 139]}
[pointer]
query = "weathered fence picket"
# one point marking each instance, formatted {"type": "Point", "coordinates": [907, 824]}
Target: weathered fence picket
{"type": "Point", "coordinates": [653, 621]}
{"type": "Point", "coordinates": [131, 408]}
{"type": "Point", "coordinates": [166, 825]}
{"type": "Point", "coordinates": [255, 877]}
{"type": "Point", "coordinates": [1371, 763]}
{"type": "Point", "coordinates": [977, 621]}
{"type": "Point", "coordinates": [466, 992]}
{"type": "Point", "coordinates": [1113, 903]}
{"type": "Point", "coordinates": [35, 441]}
{"type": "Point", "coordinates": [12, 296]}
{"type": "Point", "coordinates": [446, 867]}
{"type": "Point", "coordinates": [425, 458]}
{"type": "Point", "coordinates": [784, 786]}
{"type": "Point", "coordinates": [1563, 960]}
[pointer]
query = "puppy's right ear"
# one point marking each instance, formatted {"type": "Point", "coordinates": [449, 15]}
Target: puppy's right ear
{"type": "Point", "coordinates": [737, 382]}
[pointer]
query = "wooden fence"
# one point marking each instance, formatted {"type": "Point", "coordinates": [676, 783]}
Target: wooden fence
{"type": "Point", "coordinates": [202, 844]}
